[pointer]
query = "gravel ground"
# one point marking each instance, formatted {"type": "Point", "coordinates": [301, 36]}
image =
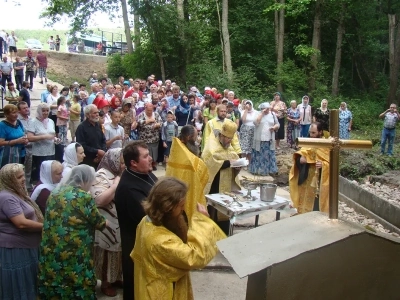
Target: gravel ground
{"type": "Point", "coordinates": [390, 194]}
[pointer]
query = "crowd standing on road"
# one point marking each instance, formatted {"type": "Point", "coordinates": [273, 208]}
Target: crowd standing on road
{"type": "Point", "coordinates": [121, 133]}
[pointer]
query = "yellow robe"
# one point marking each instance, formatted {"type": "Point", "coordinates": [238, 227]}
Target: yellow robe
{"type": "Point", "coordinates": [162, 259]}
{"type": "Point", "coordinates": [214, 156]}
{"type": "Point", "coordinates": [303, 195]}
{"type": "Point", "coordinates": [184, 165]}
{"type": "Point", "coordinates": [209, 132]}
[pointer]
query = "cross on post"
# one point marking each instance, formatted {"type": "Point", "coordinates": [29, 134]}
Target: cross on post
{"type": "Point", "coordinates": [334, 144]}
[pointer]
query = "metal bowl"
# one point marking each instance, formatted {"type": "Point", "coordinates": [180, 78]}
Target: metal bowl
{"type": "Point", "coordinates": [250, 185]}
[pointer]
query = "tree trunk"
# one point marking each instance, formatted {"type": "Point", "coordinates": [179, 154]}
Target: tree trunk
{"type": "Point", "coordinates": [394, 58]}
{"type": "Point", "coordinates": [162, 65]}
{"type": "Point", "coordinates": [316, 44]}
{"type": "Point", "coordinates": [181, 30]}
{"type": "Point", "coordinates": [136, 23]}
{"type": "Point", "coordinates": [338, 54]}
{"type": "Point", "coordinates": [126, 26]}
{"type": "Point", "coordinates": [225, 36]}
{"type": "Point", "coordinates": [276, 28]}
{"type": "Point", "coordinates": [220, 37]}
{"type": "Point", "coordinates": [281, 36]}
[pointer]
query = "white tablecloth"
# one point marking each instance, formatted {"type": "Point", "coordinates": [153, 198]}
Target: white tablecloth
{"type": "Point", "coordinates": [225, 204]}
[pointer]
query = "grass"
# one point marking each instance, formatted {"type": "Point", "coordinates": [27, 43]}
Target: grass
{"type": "Point", "coordinates": [64, 80]}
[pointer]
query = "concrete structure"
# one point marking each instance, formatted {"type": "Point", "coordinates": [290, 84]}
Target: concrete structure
{"type": "Point", "coordinates": [312, 257]}
{"type": "Point", "coordinates": [387, 213]}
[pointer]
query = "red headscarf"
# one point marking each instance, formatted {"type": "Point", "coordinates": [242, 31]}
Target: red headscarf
{"type": "Point", "coordinates": [102, 103]}
{"type": "Point", "coordinates": [97, 99]}
{"type": "Point", "coordinates": [112, 102]}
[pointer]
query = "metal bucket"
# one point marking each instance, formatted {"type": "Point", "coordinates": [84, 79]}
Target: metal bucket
{"type": "Point", "coordinates": [267, 192]}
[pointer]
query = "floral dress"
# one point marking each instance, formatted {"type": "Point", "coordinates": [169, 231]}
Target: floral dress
{"type": "Point", "coordinates": [293, 129]}
{"type": "Point", "coordinates": [322, 117]}
{"type": "Point", "coordinates": [66, 268]}
{"type": "Point", "coordinates": [345, 118]}
{"type": "Point", "coordinates": [147, 132]}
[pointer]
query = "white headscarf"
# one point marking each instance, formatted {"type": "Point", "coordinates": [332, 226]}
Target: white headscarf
{"type": "Point", "coordinates": [45, 179]}
{"type": "Point", "coordinates": [70, 158]}
{"type": "Point", "coordinates": [81, 176]}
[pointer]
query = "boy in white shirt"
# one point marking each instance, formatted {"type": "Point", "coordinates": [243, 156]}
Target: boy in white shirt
{"type": "Point", "coordinates": [113, 132]}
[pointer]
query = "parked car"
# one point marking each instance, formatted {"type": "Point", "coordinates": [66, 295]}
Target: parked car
{"type": "Point", "coordinates": [33, 44]}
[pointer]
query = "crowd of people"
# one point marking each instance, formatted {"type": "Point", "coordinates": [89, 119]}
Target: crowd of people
{"type": "Point", "coordinates": [72, 212]}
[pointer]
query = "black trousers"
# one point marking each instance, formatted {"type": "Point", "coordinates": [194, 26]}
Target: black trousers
{"type": "Point", "coordinates": [5, 78]}
{"type": "Point", "coordinates": [18, 81]}
{"type": "Point", "coordinates": [30, 75]}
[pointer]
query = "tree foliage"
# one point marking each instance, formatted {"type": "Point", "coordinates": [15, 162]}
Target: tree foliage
{"type": "Point", "coordinates": [170, 44]}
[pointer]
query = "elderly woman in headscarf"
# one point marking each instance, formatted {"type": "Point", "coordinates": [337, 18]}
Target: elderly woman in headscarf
{"type": "Point", "coordinates": [42, 134]}
{"type": "Point", "coordinates": [21, 223]}
{"type": "Point", "coordinates": [66, 268]}
{"type": "Point", "coordinates": [182, 112]}
{"type": "Point", "coordinates": [345, 121]}
{"type": "Point", "coordinates": [50, 175]}
{"type": "Point", "coordinates": [73, 156]}
{"type": "Point", "coordinates": [248, 116]}
{"type": "Point", "coordinates": [305, 116]}
{"type": "Point", "coordinates": [107, 254]}
{"type": "Point", "coordinates": [263, 160]}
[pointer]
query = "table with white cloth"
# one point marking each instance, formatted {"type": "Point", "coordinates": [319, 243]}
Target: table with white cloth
{"type": "Point", "coordinates": [226, 205]}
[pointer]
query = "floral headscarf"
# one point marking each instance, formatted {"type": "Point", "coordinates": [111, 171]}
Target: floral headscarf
{"type": "Point", "coordinates": [8, 181]}
{"type": "Point", "coordinates": [111, 161]}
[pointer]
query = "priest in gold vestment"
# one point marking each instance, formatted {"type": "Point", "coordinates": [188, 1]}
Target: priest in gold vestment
{"type": "Point", "coordinates": [218, 156]}
{"type": "Point", "coordinates": [306, 161]}
{"type": "Point", "coordinates": [168, 246]}
{"type": "Point", "coordinates": [185, 164]}
{"type": "Point", "coordinates": [216, 124]}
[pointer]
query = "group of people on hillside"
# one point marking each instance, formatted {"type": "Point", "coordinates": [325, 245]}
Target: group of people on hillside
{"type": "Point", "coordinates": [97, 211]}
{"type": "Point", "coordinates": [24, 69]}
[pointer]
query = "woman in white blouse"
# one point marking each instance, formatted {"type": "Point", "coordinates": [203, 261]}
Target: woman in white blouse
{"type": "Point", "coordinates": [248, 115]}
{"type": "Point", "coordinates": [305, 116]}
{"type": "Point", "coordinates": [41, 133]}
{"type": "Point", "coordinates": [263, 159]}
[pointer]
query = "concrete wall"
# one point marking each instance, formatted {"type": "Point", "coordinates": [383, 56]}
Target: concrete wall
{"type": "Point", "coordinates": [69, 57]}
{"type": "Point", "coordinates": [364, 267]}
{"type": "Point", "coordinates": [375, 204]}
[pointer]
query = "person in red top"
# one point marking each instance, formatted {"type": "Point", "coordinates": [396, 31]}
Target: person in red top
{"type": "Point", "coordinates": [42, 62]}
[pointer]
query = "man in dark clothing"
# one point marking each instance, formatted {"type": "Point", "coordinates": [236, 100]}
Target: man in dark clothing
{"type": "Point", "coordinates": [24, 94]}
{"type": "Point", "coordinates": [91, 137]}
{"type": "Point", "coordinates": [134, 186]}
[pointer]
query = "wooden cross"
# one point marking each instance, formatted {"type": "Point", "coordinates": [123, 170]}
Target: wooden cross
{"type": "Point", "coordinates": [334, 144]}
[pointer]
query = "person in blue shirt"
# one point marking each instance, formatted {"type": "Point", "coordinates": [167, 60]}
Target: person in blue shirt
{"type": "Point", "coordinates": [174, 100]}
{"type": "Point", "coordinates": [12, 137]}
{"type": "Point", "coordinates": [45, 93]}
